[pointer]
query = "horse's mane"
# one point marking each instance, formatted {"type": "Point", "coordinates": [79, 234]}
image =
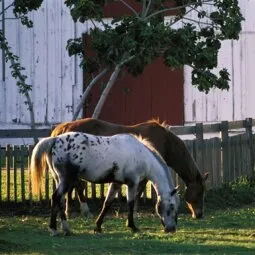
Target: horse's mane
{"type": "Point", "coordinates": [149, 145]}
{"type": "Point", "coordinates": [160, 123]}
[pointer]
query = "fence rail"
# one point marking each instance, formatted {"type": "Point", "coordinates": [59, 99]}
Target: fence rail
{"type": "Point", "coordinates": [225, 150]}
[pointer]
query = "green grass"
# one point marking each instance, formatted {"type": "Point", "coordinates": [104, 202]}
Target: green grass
{"type": "Point", "coordinates": [228, 228]}
{"type": "Point", "coordinates": [220, 232]}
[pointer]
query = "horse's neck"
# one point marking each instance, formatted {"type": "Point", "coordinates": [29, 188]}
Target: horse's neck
{"type": "Point", "coordinates": [188, 170]}
{"type": "Point", "coordinates": [179, 158]}
{"type": "Point", "coordinates": [160, 179]}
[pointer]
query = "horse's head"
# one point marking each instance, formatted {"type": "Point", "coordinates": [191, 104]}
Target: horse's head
{"type": "Point", "coordinates": [194, 196]}
{"type": "Point", "coordinates": [167, 210]}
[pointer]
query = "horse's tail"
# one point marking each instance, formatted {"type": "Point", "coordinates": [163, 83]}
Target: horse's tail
{"type": "Point", "coordinates": [39, 162]}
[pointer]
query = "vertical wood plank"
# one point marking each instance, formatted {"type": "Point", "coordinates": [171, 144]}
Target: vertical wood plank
{"type": "Point", "coordinates": [248, 128]}
{"type": "Point", "coordinates": [93, 191]}
{"type": "Point", "coordinates": [8, 171]}
{"type": "Point", "coordinates": [225, 150]}
{"type": "Point", "coordinates": [244, 154]}
{"type": "Point", "coordinates": [200, 145]}
{"type": "Point", "coordinates": [217, 175]}
{"type": "Point", "coordinates": [30, 149]}
{"type": "Point", "coordinates": [238, 156]}
{"type": "Point", "coordinates": [102, 191]}
{"type": "Point", "coordinates": [22, 172]}
{"type": "Point", "coordinates": [40, 60]}
{"type": "Point", "coordinates": [209, 164]}
{"type": "Point", "coordinates": [55, 61]}
{"type": "Point", "coordinates": [67, 68]}
{"type": "Point", "coordinates": [15, 161]}
{"type": "Point", "coordinates": [11, 91]}
{"type": "Point", "coordinates": [1, 169]}
{"type": "Point", "coordinates": [231, 158]}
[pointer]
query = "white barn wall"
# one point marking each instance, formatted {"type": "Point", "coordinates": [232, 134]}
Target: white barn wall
{"type": "Point", "coordinates": [55, 77]}
{"type": "Point", "coordinates": [238, 57]}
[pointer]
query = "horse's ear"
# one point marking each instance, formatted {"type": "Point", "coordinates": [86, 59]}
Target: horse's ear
{"type": "Point", "coordinates": [175, 190]}
{"type": "Point", "coordinates": [205, 176]}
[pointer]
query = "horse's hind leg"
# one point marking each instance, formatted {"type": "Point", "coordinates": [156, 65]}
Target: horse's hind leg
{"type": "Point", "coordinates": [112, 191]}
{"type": "Point", "coordinates": [68, 202]}
{"type": "Point", "coordinates": [82, 199]}
{"type": "Point", "coordinates": [58, 205]}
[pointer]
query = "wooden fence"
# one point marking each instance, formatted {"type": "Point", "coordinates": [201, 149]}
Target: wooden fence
{"type": "Point", "coordinates": [225, 150]}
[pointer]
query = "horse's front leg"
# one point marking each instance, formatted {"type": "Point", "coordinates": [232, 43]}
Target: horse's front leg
{"type": "Point", "coordinates": [140, 190]}
{"type": "Point", "coordinates": [131, 196]}
{"type": "Point", "coordinates": [112, 191]}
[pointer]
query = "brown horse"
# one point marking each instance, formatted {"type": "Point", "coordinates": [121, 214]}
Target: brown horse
{"type": "Point", "coordinates": [170, 146]}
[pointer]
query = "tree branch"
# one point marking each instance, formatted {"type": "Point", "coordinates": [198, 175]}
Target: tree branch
{"type": "Point", "coordinates": [86, 92]}
{"type": "Point", "coordinates": [106, 91]}
{"type": "Point", "coordinates": [1, 20]}
{"type": "Point", "coordinates": [174, 8]}
{"type": "Point", "coordinates": [6, 8]}
{"type": "Point", "coordinates": [147, 9]}
{"type": "Point", "coordinates": [129, 7]}
{"type": "Point", "coordinates": [108, 87]}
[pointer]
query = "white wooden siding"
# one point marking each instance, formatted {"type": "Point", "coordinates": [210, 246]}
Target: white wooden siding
{"type": "Point", "coordinates": [57, 79]}
{"type": "Point", "coordinates": [238, 57]}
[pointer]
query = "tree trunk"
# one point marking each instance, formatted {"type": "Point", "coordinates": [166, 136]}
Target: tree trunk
{"type": "Point", "coordinates": [86, 92]}
{"type": "Point", "coordinates": [106, 91]}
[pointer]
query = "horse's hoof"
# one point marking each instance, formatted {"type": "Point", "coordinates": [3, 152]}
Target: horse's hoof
{"type": "Point", "coordinates": [88, 215]}
{"type": "Point", "coordinates": [135, 230]}
{"type": "Point", "coordinates": [54, 232]}
{"type": "Point", "coordinates": [97, 230]}
{"type": "Point", "coordinates": [67, 233]}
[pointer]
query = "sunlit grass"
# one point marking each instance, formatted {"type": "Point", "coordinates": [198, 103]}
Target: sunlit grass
{"type": "Point", "coordinates": [221, 232]}
{"type": "Point", "coordinates": [15, 187]}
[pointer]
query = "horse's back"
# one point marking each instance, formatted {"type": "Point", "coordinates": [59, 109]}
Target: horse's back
{"type": "Point", "coordinates": [151, 130]}
{"type": "Point", "coordinates": [101, 158]}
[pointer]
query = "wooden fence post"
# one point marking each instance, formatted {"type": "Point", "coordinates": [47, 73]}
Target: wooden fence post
{"type": "Point", "coordinates": [22, 172]}
{"type": "Point", "coordinates": [0, 173]}
{"type": "Point", "coordinates": [30, 149]}
{"type": "Point", "coordinates": [225, 151]}
{"type": "Point", "coordinates": [248, 128]}
{"type": "Point", "coordinates": [15, 167]}
{"type": "Point", "coordinates": [200, 146]}
{"type": "Point", "coordinates": [8, 170]}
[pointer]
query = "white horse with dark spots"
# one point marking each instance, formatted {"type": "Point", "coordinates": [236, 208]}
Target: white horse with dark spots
{"type": "Point", "coordinates": [122, 158]}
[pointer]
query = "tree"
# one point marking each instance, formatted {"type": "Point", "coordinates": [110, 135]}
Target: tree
{"type": "Point", "coordinates": [133, 41]}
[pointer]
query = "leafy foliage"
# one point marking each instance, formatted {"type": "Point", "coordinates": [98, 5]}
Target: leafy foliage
{"type": "Point", "coordinates": [15, 65]}
{"type": "Point", "coordinates": [145, 36]}
{"type": "Point", "coordinates": [23, 7]}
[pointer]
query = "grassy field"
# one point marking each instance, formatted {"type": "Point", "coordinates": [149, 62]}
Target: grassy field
{"type": "Point", "coordinates": [229, 231]}
{"type": "Point", "coordinates": [228, 228]}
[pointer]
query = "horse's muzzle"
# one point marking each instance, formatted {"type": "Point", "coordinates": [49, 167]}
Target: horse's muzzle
{"type": "Point", "coordinates": [198, 215]}
{"type": "Point", "coordinates": [171, 229]}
